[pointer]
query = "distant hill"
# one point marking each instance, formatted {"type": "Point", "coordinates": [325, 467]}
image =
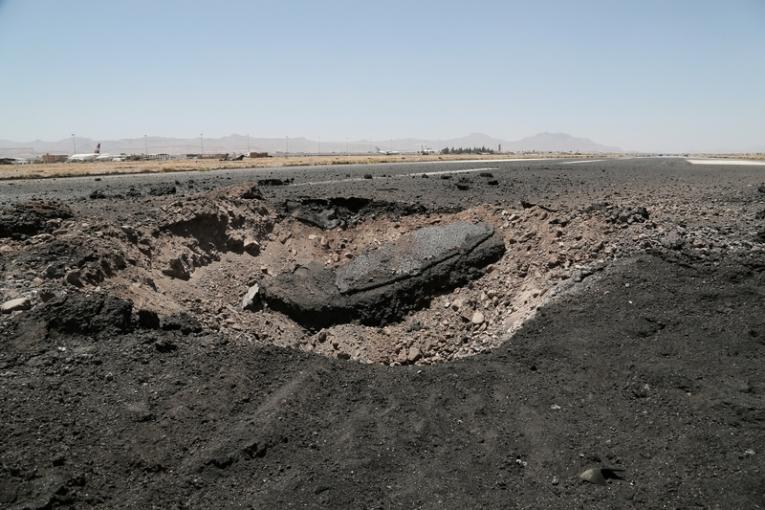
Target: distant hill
{"type": "Point", "coordinates": [560, 142]}
{"type": "Point", "coordinates": [241, 143]}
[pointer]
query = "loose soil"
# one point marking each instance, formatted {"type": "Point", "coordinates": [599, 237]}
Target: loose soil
{"type": "Point", "coordinates": [613, 332]}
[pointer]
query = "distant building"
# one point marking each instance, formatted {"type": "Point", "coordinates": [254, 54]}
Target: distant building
{"type": "Point", "coordinates": [53, 158]}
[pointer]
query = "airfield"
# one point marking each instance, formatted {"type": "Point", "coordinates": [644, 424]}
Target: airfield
{"type": "Point", "coordinates": [406, 334]}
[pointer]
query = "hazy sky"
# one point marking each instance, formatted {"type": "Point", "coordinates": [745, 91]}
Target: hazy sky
{"type": "Point", "coordinates": [642, 74]}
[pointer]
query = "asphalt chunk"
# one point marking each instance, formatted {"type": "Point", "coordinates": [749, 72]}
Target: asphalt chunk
{"type": "Point", "coordinates": [381, 285]}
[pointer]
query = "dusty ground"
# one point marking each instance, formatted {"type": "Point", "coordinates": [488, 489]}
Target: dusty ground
{"type": "Point", "coordinates": [622, 328]}
{"type": "Point", "coordinates": [39, 170]}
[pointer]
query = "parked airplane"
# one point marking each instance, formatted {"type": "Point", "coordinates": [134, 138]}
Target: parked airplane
{"type": "Point", "coordinates": [93, 156]}
{"type": "Point", "coordinates": [387, 153]}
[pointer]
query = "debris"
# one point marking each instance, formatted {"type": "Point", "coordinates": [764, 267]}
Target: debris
{"type": "Point", "coordinates": [22, 303]}
{"type": "Point", "coordinates": [274, 182]}
{"type": "Point", "coordinates": [600, 475]}
{"type": "Point", "coordinates": [252, 193]}
{"type": "Point", "coordinates": [477, 318]}
{"type": "Point", "coordinates": [182, 322]}
{"type": "Point", "coordinates": [344, 211]}
{"type": "Point", "coordinates": [529, 205]}
{"type": "Point", "coordinates": [384, 283]}
{"type": "Point", "coordinates": [252, 247]}
{"type": "Point", "coordinates": [30, 218]}
{"type": "Point", "coordinates": [148, 319]}
{"type": "Point", "coordinates": [248, 301]}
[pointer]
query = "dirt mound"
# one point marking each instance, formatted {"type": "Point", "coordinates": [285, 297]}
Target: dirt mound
{"type": "Point", "coordinates": [31, 218]}
{"type": "Point", "coordinates": [74, 313]}
{"type": "Point", "coordinates": [383, 284]}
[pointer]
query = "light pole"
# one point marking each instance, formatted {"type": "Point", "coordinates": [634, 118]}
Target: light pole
{"type": "Point", "coordinates": [74, 144]}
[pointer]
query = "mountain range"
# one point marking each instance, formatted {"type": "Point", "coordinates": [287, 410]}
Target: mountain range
{"type": "Point", "coordinates": [560, 142]}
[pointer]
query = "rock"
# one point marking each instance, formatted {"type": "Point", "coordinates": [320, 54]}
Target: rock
{"type": "Point", "coordinates": [165, 345]}
{"type": "Point", "coordinates": [85, 314]}
{"type": "Point", "coordinates": [463, 184]}
{"type": "Point", "coordinates": [139, 412]}
{"type": "Point", "coordinates": [252, 193]}
{"type": "Point", "coordinates": [329, 213]}
{"type": "Point", "coordinates": [73, 277]}
{"type": "Point", "coordinates": [249, 300]}
{"type": "Point", "coordinates": [593, 475]}
{"type": "Point", "coordinates": [274, 182]}
{"type": "Point", "coordinates": [251, 246]}
{"type": "Point", "coordinates": [382, 284]}
{"type": "Point", "coordinates": [148, 319]}
{"type": "Point", "coordinates": [177, 268]}
{"type": "Point", "coordinates": [14, 305]}
{"type": "Point", "coordinates": [413, 354]}
{"type": "Point", "coordinates": [182, 322]}
{"type": "Point", "coordinates": [477, 318]}
{"type": "Point", "coordinates": [31, 218]}
{"type": "Point", "coordinates": [600, 475]}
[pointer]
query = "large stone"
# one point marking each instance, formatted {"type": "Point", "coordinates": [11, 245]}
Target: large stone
{"type": "Point", "coordinates": [383, 284]}
{"type": "Point", "coordinates": [13, 305]}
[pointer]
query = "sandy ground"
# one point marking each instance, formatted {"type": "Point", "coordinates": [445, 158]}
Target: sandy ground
{"type": "Point", "coordinates": [622, 329]}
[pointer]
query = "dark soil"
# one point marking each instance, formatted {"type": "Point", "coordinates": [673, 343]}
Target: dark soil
{"type": "Point", "coordinates": [651, 368]}
{"type": "Point", "coordinates": [28, 219]}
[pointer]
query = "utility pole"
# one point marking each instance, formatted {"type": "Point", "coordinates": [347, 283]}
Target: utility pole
{"type": "Point", "coordinates": [74, 144]}
{"type": "Point", "coordinates": [201, 143]}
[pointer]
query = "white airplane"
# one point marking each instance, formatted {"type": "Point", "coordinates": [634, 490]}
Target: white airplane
{"type": "Point", "coordinates": [93, 156]}
{"type": "Point", "coordinates": [387, 153]}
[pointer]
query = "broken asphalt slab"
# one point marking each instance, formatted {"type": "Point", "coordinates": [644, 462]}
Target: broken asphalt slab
{"type": "Point", "coordinates": [383, 284]}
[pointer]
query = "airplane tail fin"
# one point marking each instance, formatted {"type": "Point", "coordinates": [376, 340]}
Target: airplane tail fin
{"type": "Point", "coordinates": [98, 148]}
